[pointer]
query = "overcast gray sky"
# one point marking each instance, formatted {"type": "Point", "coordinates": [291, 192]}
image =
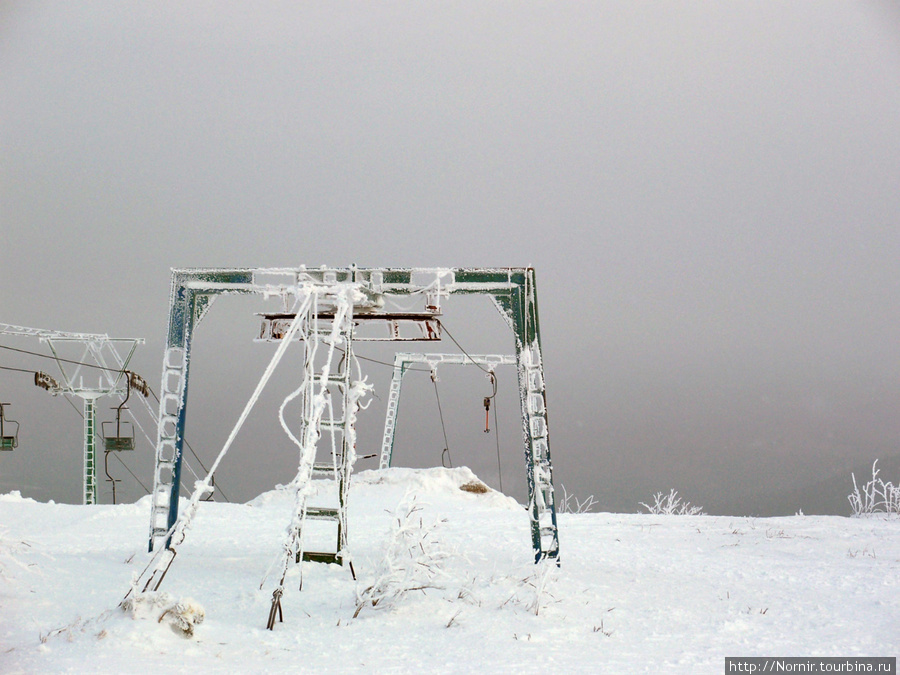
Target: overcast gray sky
{"type": "Point", "coordinates": [708, 192]}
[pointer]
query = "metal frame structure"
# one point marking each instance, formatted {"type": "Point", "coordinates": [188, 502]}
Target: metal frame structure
{"type": "Point", "coordinates": [99, 353]}
{"type": "Point", "coordinates": [112, 381]}
{"type": "Point", "coordinates": [512, 290]}
{"type": "Point", "coordinates": [402, 361]}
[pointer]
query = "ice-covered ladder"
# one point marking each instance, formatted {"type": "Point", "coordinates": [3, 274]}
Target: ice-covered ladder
{"type": "Point", "coordinates": [543, 506]}
{"type": "Point", "coordinates": [340, 466]}
{"type": "Point", "coordinates": [90, 451]}
{"type": "Point", "coordinates": [167, 433]}
{"type": "Point", "coordinates": [317, 400]}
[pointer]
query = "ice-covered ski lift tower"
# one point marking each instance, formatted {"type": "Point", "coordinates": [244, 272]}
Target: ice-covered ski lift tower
{"type": "Point", "coordinates": [351, 303]}
{"type": "Point", "coordinates": [100, 354]}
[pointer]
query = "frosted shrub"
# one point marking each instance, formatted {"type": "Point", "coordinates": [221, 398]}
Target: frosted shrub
{"type": "Point", "coordinates": [672, 505]}
{"type": "Point", "coordinates": [413, 561]}
{"type": "Point", "coordinates": [539, 582]}
{"type": "Point", "coordinates": [183, 616]}
{"type": "Point", "coordinates": [876, 496]}
{"type": "Point", "coordinates": [571, 504]}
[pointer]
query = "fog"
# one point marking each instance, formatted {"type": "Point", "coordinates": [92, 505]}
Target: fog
{"type": "Point", "coordinates": [708, 194]}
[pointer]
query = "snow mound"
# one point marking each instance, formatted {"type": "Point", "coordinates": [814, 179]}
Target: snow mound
{"type": "Point", "coordinates": [444, 568]}
{"type": "Point", "coordinates": [459, 482]}
{"type": "Point", "coordinates": [436, 479]}
{"type": "Point", "coordinates": [438, 482]}
{"type": "Point", "coordinates": [16, 496]}
{"type": "Point", "coordinates": [182, 615]}
{"type": "Point", "coordinates": [278, 495]}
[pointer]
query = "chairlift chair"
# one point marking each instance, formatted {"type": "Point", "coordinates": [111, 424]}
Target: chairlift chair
{"type": "Point", "coordinates": [120, 441]}
{"type": "Point", "coordinates": [8, 441]}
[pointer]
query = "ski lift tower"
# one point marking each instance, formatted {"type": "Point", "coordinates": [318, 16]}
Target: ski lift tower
{"type": "Point", "coordinates": [110, 379]}
{"type": "Point", "coordinates": [97, 353]}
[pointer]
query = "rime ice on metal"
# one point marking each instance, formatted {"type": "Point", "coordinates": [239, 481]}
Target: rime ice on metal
{"type": "Point", "coordinates": [329, 305]}
{"type": "Point", "coordinates": [100, 353]}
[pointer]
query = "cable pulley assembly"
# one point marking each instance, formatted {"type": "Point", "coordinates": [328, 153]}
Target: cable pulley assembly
{"type": "Point", "coordinates": [44, 381]}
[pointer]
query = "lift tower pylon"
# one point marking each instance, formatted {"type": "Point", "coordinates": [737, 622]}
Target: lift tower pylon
{"type": "Point", "coordinates": [99, 353]}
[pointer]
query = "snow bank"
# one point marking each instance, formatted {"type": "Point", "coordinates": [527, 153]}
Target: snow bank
{"type": "Point", "coordinates": [16, 496]}
{"type": "Point", "coordinates": [634, 593]}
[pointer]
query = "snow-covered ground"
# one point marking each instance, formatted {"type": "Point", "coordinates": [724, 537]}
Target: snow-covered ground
{"type": "Point", "coordinates": [634, 593]}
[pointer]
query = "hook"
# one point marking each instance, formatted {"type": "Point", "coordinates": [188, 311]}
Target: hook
{"type": "Point", "coordinates": [487, 403]}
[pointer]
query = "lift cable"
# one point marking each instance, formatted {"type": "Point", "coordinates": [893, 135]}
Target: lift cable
{"type": "Point", "coordinates": [448, 464]}
{"type": "Point", "coordinates": [122, 462]}
{"type": "Point", "coordinates": [490, 373]}
{"type": "Point", "coordinates": [497, 436]}
{"type": "Point", "coordinates": [461, 348]}
{"type": "Point", "coordinates": [197, 457]}
{"type": "Point", "coordinates": [74, 407]}
{"type": "Point", "coordinates": [50, 356]}
{"type": "Point", "coordinates": [385, 363]}
{"type": "Point", "coordinates": [17, 370]}
{"type": "Point", "coordinates": [81, 414]}
{"type": "Point", "coordinates": [487, 399]}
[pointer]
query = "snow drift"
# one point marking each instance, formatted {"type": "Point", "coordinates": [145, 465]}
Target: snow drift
{"type": "Point", "coordinates": [445, 583]}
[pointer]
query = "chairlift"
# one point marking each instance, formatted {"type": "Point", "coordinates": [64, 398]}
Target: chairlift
{"type": "Point", "coordinates": [123, 440]}
{"type": "Point", "coordinates": [9, 440]}
{"type": "Point", "coordinates": [120, 441]}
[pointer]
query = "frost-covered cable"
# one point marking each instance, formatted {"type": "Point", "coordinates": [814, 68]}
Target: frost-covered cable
{"type": "Point", "coordinates": [122, 462]}
{"type": "Point", "coordinates": [286, 340]}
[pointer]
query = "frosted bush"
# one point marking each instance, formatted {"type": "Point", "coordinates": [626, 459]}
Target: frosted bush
{"type": "Point", "coordinates": [672, 505]}
{"type": "Point", "coordinates": [876, 496]}
{"type": "Point", "coordinates": [413, 561]}
{"type": "Point", "coordinates": [571, 503]}
{"type": "Point", "coordinates": [537, 585]}
{"type": "Point", "coordinates": [183, 616]}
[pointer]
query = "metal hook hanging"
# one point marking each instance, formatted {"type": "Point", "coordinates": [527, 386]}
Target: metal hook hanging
{"type": "Point", "coordinates": [487, 403]}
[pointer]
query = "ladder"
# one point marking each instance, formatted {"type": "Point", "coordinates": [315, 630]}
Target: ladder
{"type": "Point", "coordinates": [543, 506]}
{"type": "Point", "coordinates": [89, 495]}
{"type": "Point", "coordinates": [167, 433]}
{"type": "Point", "coordinates": [338, 469]}
{"type": "Point", "coordinates": [319, 417]}
{"type": "Point", "coordinates": [390, 418]}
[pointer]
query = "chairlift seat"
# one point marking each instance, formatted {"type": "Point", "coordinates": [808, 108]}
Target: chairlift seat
{"type": "Point", "coordinates": [118, 443]}
{"type": "Point", "coordinates": [112, 443]}
{"type": "Point", "coordinates": [8, 441]}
